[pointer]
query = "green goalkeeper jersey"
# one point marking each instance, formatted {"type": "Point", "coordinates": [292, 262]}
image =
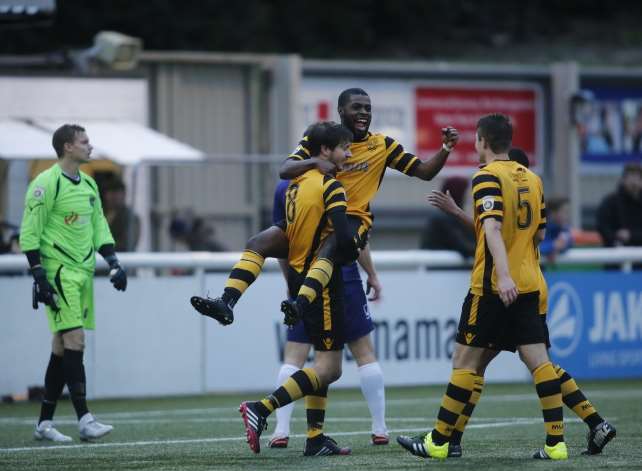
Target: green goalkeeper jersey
{"type": "Point", "coordinates": [64, 219]}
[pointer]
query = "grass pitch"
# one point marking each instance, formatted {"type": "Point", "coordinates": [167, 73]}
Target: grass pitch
{"type": "Point", "coordinates": [205, 432]}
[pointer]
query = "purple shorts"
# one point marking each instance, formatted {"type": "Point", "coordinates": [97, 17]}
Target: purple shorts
{"type": "Point", "coordinates": [357, 320]}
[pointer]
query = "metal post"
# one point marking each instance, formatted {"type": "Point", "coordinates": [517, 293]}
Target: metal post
{"type": "Point", "coordinates": [565, 161]}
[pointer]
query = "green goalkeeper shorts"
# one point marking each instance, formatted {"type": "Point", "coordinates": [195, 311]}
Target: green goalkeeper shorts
{"type": "Point", "coordinates": [75, 297]}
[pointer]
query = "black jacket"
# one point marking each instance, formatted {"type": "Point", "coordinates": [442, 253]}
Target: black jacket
{"type": "Point", "coordinates": [619, 210]}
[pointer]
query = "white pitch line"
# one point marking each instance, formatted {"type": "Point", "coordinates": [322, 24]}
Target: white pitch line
{"type": "Point", "coordinates": [241, 438]}
{"type": "Point", "coordinates": [30, 422]}
{"type": "Point", "coordinates": [610, 394]}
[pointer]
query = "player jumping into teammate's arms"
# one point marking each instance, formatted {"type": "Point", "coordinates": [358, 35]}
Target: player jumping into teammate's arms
{"type": "Point", "coordinates": [357, 326]}
{"type": "Point", "coordinates": [315, 209]}
{"type": "Point", "coordinates": [372, 154]}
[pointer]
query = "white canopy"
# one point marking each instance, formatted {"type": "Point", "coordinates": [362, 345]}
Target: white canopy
{"type": "Point", "coordinates": [124, 142]}
{"type": "Point", "coordinates": [20, 141]}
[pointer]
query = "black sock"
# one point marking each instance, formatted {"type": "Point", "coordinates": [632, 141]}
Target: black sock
{"type": "Point", "coordinates": [54, 382]}
{"type": "Point", "coordinates": [230, 296]}
{"type": "Point", "coordinates": [75, 379]}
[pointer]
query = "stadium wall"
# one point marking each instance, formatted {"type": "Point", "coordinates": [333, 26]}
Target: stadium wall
{"type": "Point", "coordinates": [149, 341]}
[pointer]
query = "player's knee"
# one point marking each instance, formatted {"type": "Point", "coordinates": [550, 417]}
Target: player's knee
{"type": "Point", "coordinates": [363, 351]}
{"type": "Point", "coordinates": [255, 243]}
{"type": "Point", "coordinates": [332, 375]}
{"type": "Point", "coordinates": [328, 374]}
{"type": "Point", "coordinates": [74, 340]}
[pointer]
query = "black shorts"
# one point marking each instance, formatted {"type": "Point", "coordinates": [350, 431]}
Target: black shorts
{"type": "Point", "coordinates": [510, 347]}
{"type": "Point", "coordinates": [485, 322]}
{"type": "Point", "coordinates": [324, 319]}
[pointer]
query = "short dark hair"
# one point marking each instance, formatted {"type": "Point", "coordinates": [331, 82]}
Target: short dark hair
{"type": "Point", "coordinates": [63, 135]}
{"type": "Point", "coordinates": [518, 155]}
{"type": "Point", "coordinates": [329, 134]}
{"type": "Point", "coordinates": [345, 95]}
{"type": "Point", "coordinates": [554, 204]}
{"type": "Point", "coordinates": [497, 129]}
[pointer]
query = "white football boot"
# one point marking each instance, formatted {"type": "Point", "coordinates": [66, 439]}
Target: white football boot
{"type": "Point", "coordinates": [91, 429]}
{"type": "Point", "coordinates": [46, 431]}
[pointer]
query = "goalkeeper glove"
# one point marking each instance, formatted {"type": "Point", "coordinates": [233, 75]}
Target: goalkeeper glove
{"type": "Point", "coordinates": [43, 291]}
{"type": "Point", "coordinates": [117, 274]}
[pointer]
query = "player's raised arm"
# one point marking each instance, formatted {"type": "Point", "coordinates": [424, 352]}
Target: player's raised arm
{"type": "Point", "coordinates": [430, 168]}
{"type": "Point", "coordinates": [446, 203]}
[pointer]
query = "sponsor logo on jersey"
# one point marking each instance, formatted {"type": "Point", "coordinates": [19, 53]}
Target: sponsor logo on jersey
{"type": "Point", "coordinates": [488, 203]}
{"type": "Point", "coordinates": [71, 218]}
{"type": "Point", "coordinates": [356, 167]}
{"type": "Point", "coordinates": [92, 200]}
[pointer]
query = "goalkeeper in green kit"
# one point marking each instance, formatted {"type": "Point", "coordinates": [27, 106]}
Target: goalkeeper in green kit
{"type": "Point", "coordinates": [62, 227]}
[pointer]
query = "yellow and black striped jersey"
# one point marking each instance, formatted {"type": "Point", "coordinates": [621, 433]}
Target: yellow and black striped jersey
{"type": "Point", "coordinates": [363, 171]}
{"type": "Point", "coordinates": [308, 201]}
{"type": "Point", "coordinates": [512, 194]}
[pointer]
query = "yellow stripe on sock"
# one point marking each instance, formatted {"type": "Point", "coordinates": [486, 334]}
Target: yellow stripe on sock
{"type": "Point", "coordinates": [268, 404]}
{"type": "Point", "coordinates": [444, 428]}
{"type": "Point", "coordinates": [551, 402]}
{"type": "Point", "coordinates": [314, 378]}
{"type": "Point", "coordinates": [236, 284]}
{"type": "Point", "coordinates": [315, 402]}
{"type": "Point", "coordinates": [254, 257]}
{"type": "Point", "coordinates": [293, 389]}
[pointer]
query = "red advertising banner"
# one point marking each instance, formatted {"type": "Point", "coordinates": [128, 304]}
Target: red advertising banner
{"type": "Point", "coordinates": [461, 107]}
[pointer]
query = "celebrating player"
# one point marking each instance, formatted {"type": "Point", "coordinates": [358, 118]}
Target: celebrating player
{"type": "Point", "coordinates": [315, 207]}
{"type": "Point", "coordinates": [502, 306]}
{"type": "Point", "coordinates": [600, 431]}
{"type": "Point", "coordinates": [357, 326]}
{"type": "Point", "coordinates": [372, 154]}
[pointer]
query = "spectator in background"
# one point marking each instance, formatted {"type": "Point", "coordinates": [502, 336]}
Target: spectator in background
{"type": "Point", "coordinates": [9, 238]}
{"type": "Point", "coordinates": [202, 237]}
{"type": "Point", "coordinates": [124, 224]}
{"type": "Point", "coordinates": [558, 237]}
{"type": "Point", "coordinates": [193, 233]}
{"type": "Point", "coordinates": [444, 231]}
{"type": "Point", "coordinates": [619, 217]}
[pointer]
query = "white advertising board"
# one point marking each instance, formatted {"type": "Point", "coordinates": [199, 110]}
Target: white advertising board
{"type": "Point", "coordinates": [150, 342]}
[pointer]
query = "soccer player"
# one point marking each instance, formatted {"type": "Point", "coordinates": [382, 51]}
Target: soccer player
{"type": "Point", "coordinates": [600, 431]}
{"type": "Point", "coordinates": [315, 208]}
{"type": "Point", "coordinates": [502, 306]}
{"type": "Point", "coordinates": [372, 154]}
{"type": "Point", "coordinates": [357, 327]}
{"type": "Point", "coordinates": [62, 227]}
